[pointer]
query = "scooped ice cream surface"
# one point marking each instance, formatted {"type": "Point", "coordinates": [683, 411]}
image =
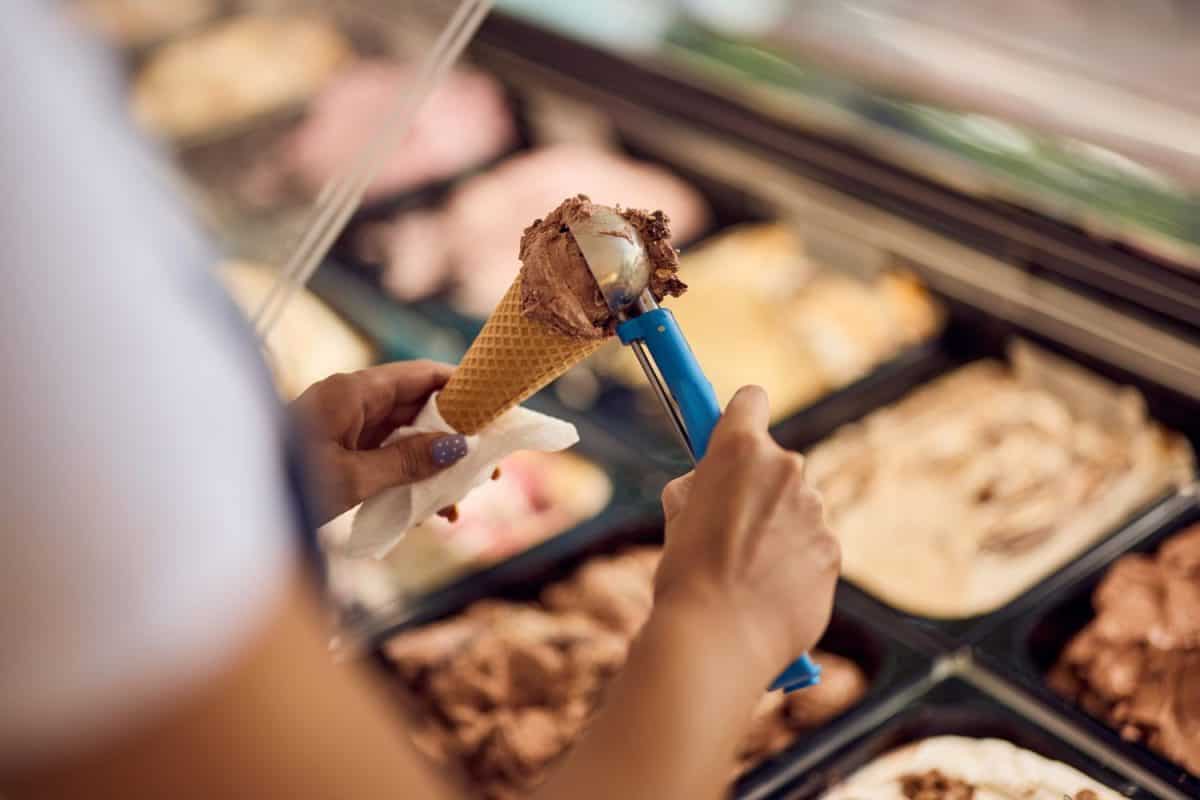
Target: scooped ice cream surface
{"type": "Point", "coordinates": [557, 287]}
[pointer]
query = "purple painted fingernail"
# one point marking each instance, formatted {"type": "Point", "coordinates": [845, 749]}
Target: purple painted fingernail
{"type": "Point", "coordinates": [449, 450]}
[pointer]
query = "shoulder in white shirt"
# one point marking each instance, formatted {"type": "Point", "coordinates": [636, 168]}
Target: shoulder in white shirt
{"type": "Point", "coordinates": [146, 524]}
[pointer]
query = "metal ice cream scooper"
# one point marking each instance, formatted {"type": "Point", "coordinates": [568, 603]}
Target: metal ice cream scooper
{"type": "Point", "coordinates": [616, 256]}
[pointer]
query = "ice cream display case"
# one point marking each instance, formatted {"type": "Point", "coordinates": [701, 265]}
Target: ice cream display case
{"type": "Point", "coordinates": [996, 382]}
{"type": "Point", "coordinates": [1121, 368]}
{"type": "Point", "coordinates": [1068, 336]}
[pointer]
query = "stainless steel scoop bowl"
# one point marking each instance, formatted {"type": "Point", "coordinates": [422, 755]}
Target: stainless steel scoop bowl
{"type": "Point", "coordinates": [616, 255]}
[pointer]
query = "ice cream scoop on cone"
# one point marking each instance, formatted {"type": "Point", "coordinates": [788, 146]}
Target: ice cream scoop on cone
{"type": "Point", "coordinates": [552, 317]}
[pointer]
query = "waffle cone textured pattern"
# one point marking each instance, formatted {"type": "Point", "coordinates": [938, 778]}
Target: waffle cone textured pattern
{"type": "Point", "coordinates": [511, 359]}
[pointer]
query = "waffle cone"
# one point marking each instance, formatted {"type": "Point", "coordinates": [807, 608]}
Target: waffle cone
{"type": "Point", "coordinates": [512, 358]}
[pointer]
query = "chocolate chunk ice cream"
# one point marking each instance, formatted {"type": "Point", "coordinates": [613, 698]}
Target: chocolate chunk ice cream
{"type": "Point", "coordinates": [935, 785]}
{"type": "Point", "coordinates": [965, 768]}
{"type": "Point", "coordinates": [655, 230]}
{"type": "Point", "coordinates": [558, 289]}
{"type": "Point", "coordinates": [1137, 664]}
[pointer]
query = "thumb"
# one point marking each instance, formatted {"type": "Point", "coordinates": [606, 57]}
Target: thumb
{"type": "Point", "coordinates": [406, 461]}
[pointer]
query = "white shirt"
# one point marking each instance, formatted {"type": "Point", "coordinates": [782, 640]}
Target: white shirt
{"type": "Point", "coordinates": [146, 528]}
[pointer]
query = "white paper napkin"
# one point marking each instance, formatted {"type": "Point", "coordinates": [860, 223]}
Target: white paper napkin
{"type": "Point", "coordinates": [382, 520]}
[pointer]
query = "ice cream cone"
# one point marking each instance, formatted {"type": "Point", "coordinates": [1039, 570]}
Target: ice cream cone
{"type": "Point", "coordinates": [511, 359]}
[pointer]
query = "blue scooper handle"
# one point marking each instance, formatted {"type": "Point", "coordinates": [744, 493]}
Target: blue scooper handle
{"type": "Point", "coordinates": [700, 411]}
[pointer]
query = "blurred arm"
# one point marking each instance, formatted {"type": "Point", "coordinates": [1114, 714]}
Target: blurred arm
{"type": "Point", "coordinates": [283, 721]}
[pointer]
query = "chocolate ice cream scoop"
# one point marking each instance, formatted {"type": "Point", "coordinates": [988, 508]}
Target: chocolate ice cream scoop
{"type": "Point", "coordinates": [558, 284]}
{"type": "Point", "coordinates": [557, 288]}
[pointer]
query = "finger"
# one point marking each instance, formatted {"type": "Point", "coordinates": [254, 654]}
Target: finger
{"type": "Point", "coordinates": [393, 394]}
{"type": "Point", "coordinates": [414, 381]}
{"type": "Point", "coordinates": [749, 410]}
{"type": "Point", "coordinates": [676, 494]}
{"type": "Point", "coordinates": [402, 383]}
{"type": "Point", "coordinates": [409, 460]}
{"type": "Point", "coordinates": [375, 432]}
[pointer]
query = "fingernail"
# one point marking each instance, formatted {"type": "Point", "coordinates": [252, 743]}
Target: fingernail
{"type": "Point", "coordinates": [449, 450]}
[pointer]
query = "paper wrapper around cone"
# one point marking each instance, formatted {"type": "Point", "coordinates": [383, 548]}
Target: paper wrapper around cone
{"type": "Point", "coordinates": [512, 358]}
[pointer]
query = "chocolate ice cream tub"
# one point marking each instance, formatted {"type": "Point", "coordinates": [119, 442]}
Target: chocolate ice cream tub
{"type": "Point", "coordinates": [891, 666]}
{"type": "Point", "coordinates": [953, 707]}
{"type": "Point", "coordinates": [1026, 649]}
